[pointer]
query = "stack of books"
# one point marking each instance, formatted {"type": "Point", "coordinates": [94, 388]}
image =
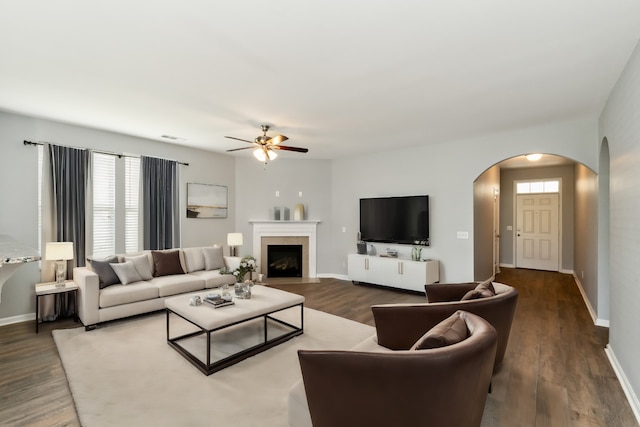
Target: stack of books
{"type": "Point", "coordinates": [217, 301]}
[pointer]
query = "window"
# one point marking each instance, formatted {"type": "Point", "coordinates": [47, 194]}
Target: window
{"type": "Point", "coordinates": [115, 205]}
{"type": "Point", "coordinates": [104, 205]}
{"type": "Point", "coordinates": [131, 208]}
{"type": "Point", "coordinates": [546, 186]}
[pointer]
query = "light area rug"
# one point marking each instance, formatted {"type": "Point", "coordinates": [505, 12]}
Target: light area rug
{"type": "Point", "coordinates": [125, 374]}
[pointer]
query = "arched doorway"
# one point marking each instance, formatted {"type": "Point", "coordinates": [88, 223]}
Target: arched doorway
{"type": "Point", "coordinates": [496, 185]}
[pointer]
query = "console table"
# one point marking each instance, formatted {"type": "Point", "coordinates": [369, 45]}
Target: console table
{"type": "Point", "coordinates": [393, 272]}
{"type": "Point", "coordinates": [12, 256]}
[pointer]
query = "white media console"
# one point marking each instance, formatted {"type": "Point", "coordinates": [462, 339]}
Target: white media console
{"type": "Point", "coordinates": [393, 272]}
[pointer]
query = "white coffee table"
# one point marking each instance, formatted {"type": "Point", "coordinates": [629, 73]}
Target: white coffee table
{"type": "Point", "coordinates": [264, 303]}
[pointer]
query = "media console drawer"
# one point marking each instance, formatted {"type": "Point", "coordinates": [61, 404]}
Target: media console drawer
{"type": "Point", "coordinates": [393, 272]}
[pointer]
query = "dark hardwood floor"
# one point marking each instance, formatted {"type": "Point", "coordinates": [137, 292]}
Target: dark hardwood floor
{"type": "Point", "coordinates": [555, 371]}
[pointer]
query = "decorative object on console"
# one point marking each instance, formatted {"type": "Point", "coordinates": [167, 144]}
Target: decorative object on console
{"type": "Point", "coordinates": [298, 212]}
{"type": "Point", "coordinates": [416, 253]}
{"type": "Point", "coordinates": [60, 252]}
{"type": "Point", "coordinates": [233, 240]}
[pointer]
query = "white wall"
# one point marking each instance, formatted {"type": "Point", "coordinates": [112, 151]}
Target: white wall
{"type": "Point", "coordinates": [18, 174]}
{"type": "Point", "coordinates": [446, 173]}
{"type": "Point", "coordinates": [620, 124]}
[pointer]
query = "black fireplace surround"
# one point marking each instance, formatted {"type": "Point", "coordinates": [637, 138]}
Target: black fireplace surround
{"type": "Point", "coordinates": [284, 261]}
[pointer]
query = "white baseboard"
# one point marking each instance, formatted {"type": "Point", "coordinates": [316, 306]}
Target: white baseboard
{"type": "Point", "coordinates": [18, 319]}
{"type": "Point", "coordinates": [567, 272]}
{"type": "Point", "coordinates": [594, 316]}
{"type": "Point", "coordinates": [624, 382]}
{"type": "Point", "coordinates": [507, 265]}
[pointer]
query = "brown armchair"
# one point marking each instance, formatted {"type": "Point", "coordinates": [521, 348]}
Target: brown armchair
{"type": "Point", "coordinates": [397, 324]}
{"type": "Point", "coordinates": [444, 386]}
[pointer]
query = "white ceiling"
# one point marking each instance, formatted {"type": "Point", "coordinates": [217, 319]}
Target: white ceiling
{"type": "Point", "coordinates": [336, 77]}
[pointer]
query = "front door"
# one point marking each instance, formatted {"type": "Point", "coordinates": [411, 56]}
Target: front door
{"type": "Point", "coordinates": [537, 231]}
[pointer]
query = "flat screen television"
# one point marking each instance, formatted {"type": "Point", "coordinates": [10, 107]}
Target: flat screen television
{"type": "Point", "coordinates": [402, 220]}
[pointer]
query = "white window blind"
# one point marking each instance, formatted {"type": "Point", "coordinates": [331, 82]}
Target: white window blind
{"type": "Point", "coordinates": [104, 206]}
{"type": "Point", "coordinates": [132, 199]}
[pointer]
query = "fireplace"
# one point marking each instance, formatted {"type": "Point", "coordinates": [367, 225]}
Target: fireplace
{"type": "Point", "coordinates": [284, 261]}
{"type": "Point", "coordinates": [298, 233]}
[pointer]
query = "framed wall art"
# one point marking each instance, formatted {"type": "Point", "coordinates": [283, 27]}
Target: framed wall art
{"type": "Point", "coordinates": [206, 201]}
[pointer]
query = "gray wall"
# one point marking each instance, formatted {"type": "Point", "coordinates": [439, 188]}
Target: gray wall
{"type": "Point", "coordinates": [620, 124]}
{"type": "Point", "coordinates": [586, 235]}
{"type": "Point", "coordinates": [446, 173]}
{"type": "Point", "coordinates": [484, 201]}
{"type": "Point", "coordinates": [507, 210]}
{"type": "Point", "coordinates": [18, 173]}
{"type": "Point", "coordinates": [256, 188]}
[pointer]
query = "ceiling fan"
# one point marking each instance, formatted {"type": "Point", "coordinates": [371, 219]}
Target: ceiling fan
{"type": "Point", "coordinates": [265, 147]}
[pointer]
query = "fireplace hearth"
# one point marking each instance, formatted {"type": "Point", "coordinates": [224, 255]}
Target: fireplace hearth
{"type": "Point", "coordinates": [284, 261]}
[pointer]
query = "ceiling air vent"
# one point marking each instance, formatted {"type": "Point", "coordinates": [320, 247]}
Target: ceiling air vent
{"type": "Point", "coordinates": [173, 138]}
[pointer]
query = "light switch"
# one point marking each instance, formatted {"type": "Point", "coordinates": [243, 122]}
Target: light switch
{"type": "Point", "coordinates": [463, 235]}
{"type": "Point", "coordinates": [299, 193]}
{"type": "Point", "coordinates": [277, 193]}
{"type": "Point", "coordinates": [509, 227]}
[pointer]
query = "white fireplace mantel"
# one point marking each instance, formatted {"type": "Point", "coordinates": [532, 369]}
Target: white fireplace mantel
{"type": "Point", "coordinates": [262, 228]}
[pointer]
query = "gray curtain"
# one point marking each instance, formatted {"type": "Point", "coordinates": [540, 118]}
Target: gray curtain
{"type": "Point", "coordinates": [161, 219]}
{"type": "Point", "coordinates": [70, 177]}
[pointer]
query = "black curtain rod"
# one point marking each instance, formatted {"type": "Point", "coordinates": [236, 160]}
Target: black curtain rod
{"type": "Point", "coordinates": [25, 142]}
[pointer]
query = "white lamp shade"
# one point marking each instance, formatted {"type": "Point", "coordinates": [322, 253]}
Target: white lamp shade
{"type": "Point", "coordinates": [260, 154]}
{"type": "Point", "coordinates": [234, 239]}
{"type": "Point", "coordinates": [55, 251]}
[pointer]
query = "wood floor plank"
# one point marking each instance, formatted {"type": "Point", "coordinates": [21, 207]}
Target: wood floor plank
{"type": "Point", "coordinates": [555, 371]}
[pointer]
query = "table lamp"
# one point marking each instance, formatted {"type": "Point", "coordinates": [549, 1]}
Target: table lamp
{"type": "Point", "coordinates": [60, 252]}
{"type": "Point", "coordinates": [233, 240]}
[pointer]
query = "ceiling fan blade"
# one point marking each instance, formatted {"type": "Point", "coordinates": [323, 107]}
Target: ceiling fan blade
{"type": "Point", "coordinates": [277, 139]}
{"type": "Point", "coordinates": [286, 148]}
{"type": "Point", "coordinates": [238, 149]}
{"type": "Point", "coordinates": [239, 139]}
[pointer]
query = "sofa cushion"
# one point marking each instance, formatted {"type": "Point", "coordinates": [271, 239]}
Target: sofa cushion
{"type": "Point", "coordinates": [106, 275]}
{"type": "Point", "coordinates": [120, 294]}
{"type": "Point", "coordinates": [166, 263]}
{"type": "Point", "coordinates": [177, 284]}
{"type": "Point", "coordinates": [193, 259]}
{"type": "Point", "coordinates": [126, 272]}
{"type": "Point", "coordinates": [213, 257]}
{"type": "Point", "coordinates": [451, 330]}
{"type": "Point", "coordinates": [142, 265]}
{"type": "Point", "coordinates": [213, 278]}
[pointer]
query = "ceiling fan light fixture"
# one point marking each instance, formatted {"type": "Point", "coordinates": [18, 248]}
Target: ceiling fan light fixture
{"type": "Point", "coordinates": [259, 154]}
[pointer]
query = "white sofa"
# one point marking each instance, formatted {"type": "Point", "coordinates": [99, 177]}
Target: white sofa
{"type": "Point", "coordinates": [98, 304]}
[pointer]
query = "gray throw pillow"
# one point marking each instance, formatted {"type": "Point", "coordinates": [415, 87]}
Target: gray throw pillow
{"type": "Point", "coordinates": [126, 272]}
{"type": "Point", "coordinates": [141, 263]}
{"type": "Point", "coordinates": [213, 257]}
{"type": "Point", "coordinates": [106, 275]}
{"type": "Point", "coordinates": [451, 330]}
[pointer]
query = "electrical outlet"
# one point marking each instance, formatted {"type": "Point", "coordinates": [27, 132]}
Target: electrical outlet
{"type": "Point", "coordinates": [344, 229]}
{"type": "Point", "coordinates": [299, 193]}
